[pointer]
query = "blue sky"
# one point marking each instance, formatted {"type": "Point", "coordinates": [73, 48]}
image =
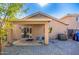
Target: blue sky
{"type": "Point", "coordinates": [57, 10]}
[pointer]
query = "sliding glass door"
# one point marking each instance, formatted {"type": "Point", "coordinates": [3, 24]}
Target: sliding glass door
{"type": "Point", "coordinates": [27, 32]}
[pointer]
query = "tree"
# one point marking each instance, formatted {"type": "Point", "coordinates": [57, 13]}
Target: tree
{"type": "Point", "coordinates": [8, 12]}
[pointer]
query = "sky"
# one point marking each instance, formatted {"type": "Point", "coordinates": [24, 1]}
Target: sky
{"type": "Point", "coordinates": [57, 10]}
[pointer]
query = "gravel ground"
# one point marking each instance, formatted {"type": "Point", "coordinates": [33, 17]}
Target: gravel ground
{"type": "Point", "coordinates": [55, 47]}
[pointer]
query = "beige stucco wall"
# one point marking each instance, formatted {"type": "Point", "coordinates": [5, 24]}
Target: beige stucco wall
{"type": "Point", "coordinates": [57, 28]}
{"type": "Point", "coordinates": [37, 30]}
{"type": "Point", "coordinates": [71, 20]}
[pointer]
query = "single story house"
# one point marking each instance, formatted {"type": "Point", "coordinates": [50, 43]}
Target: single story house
{"type": "Point", "coordinates": [34, 25]}
{"type": "Point", "coordinates": [30, 27]}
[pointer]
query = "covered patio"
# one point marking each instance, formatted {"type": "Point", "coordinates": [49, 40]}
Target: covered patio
{"type": "Point", "coordinates": [33, 30]}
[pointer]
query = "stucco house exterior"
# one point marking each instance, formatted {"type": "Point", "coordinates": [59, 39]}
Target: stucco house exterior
{"type": "Point", "coordinates": [73, 22]}
{"type": "Point", "coordinates": [37, 24]}
{"type": "Point", "coordinates": [57, 28]}
{"type": "Point", "coordinates": [33, 25]}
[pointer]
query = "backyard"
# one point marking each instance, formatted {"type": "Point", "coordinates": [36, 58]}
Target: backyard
{"type": "Point", "coordinates": [55, 47]}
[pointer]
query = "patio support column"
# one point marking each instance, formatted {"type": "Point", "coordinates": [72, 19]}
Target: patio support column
{"type": "Point", "coordinates": [46, 34]}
